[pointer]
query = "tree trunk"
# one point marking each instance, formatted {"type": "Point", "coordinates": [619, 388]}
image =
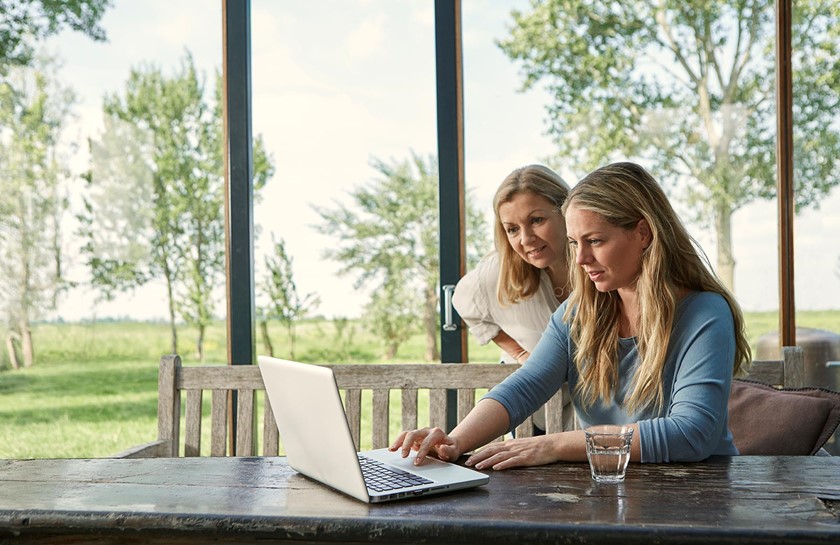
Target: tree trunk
{"type": "Point", "coordinates": [171, 297]}
{"type": "Point", "coordinates": [391, 350]}
{"type": "Point", "coordinates": [200, 342]}
{"type": "Point", "coordinates": [430, 324]}
{"type": "Point", "coordinates": [292, 338]}
{"type": "Point", "coordinates": [26, 344]}
{"type": "Point", "coordinates": [725, 259]}
{"type": "Point", "coordinates": [267, 346]}
{"type": "Point", "coordinates": [12, 349]}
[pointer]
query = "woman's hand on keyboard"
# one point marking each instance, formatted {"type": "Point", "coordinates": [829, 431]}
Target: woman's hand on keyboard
{"type": "Point", "coordinates": [427, 442]}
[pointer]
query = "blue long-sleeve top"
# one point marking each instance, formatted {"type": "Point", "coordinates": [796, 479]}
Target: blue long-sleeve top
{"type": "Point", "coordinates": [692, 424]}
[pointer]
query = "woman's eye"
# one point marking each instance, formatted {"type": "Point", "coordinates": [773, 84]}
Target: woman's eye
{"type": "Point", "coordinates": [511, 230]}
{"type": "Point", "coordinates": [537, 220]}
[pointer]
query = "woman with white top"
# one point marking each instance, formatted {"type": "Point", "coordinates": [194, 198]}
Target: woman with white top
{"type": "Point", "coordinates": [512, 293]}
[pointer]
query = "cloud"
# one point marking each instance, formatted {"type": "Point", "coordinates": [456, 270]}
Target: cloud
{"type": "Point", "coordinates": [367, 38]}
{"type": "Point", "coordinates": [424, 14]}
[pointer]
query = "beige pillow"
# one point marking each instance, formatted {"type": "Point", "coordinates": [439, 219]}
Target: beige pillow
{"type": "Point", "coordinates": [771, 421]}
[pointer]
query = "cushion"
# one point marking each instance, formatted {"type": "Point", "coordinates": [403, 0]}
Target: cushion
{"type": "Point", "coordinates": [772, 421]}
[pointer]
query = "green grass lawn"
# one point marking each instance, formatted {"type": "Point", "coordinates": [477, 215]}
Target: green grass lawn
{"type": "Point", "coordinates": [93, 389]}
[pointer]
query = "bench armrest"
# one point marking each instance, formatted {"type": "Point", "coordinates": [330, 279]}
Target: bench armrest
{"type": "Point", "coordinates": [154, 449]}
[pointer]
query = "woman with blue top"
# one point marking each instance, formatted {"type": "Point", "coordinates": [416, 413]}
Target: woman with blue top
{"type": "Point", "coordinates": [648, 337]}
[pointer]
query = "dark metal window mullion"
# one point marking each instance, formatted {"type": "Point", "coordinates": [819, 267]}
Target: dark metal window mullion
{"type": "Point", "coordinates": [450, 126]}
{"type": "Point", "coordinates": [239, 189]}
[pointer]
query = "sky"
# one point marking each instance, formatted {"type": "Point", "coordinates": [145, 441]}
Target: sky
{"type": "Point", "coordinates": [339, 83]}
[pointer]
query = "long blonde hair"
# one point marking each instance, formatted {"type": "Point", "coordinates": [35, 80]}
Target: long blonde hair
{"type": "Point", "coordinates": [623, 194]}
{"type": "Point", "coordinates": [519, 279]}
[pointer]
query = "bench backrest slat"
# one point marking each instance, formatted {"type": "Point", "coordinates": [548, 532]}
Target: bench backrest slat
{"type": "Point", "coordinates": [789, 372]}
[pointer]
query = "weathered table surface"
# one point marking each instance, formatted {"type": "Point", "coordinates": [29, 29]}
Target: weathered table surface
{"type": "Point", "coordinates": [261, 500]}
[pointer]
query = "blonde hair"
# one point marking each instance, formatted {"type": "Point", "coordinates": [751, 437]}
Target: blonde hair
{"type": "Point", "coordinates": [518, 279]}
{"type": "Point", "coordinates": [623, 194]}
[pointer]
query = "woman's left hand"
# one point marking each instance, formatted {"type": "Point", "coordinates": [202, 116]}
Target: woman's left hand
{"type": "Point", "coordinates": [526, 451]}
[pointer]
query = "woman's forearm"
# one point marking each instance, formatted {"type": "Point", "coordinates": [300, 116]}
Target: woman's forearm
{"type": "Point", "coordinates": [509, 345]}
{"type": "Point", "coordinates": [487, 421]}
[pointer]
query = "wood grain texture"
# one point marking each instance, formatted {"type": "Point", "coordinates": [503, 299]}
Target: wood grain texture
{"type": "Point", "coordinates": [737, 500]}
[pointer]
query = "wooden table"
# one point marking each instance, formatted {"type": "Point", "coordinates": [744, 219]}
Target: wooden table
{"type": "Point", "coordinates": [261, 500]}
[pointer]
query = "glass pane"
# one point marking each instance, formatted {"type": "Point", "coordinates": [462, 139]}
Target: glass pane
{"type": "Point", "coordinates": [595, 92]}
{"type": "Point", "coordinates": [154, 36]}
{"type": "Point", "coordinates": [344, 92]}
{"type": "Point", "coordinates": [92, 387]}
{"type": "Point", "coordinates": [816, 48]}
{"type": "Point", "coordinates": [130, 156]}
{"type": "Point", "coordinates": [504, 129]}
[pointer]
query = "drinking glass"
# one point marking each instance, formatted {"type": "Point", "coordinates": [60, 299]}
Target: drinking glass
{"type": "Point", "coordinates": [608, 451]}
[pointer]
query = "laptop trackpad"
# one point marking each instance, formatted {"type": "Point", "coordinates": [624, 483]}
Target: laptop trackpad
{"type": "Point", "coordinates": [432, 468]}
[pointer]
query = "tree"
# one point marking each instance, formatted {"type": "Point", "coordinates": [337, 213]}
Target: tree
{"type": "Point", "coordinates": [119, 180]}
{"type": "Point", "coordinates": [162, 152]}
{"type": "Point", "coordinates": [33, 175]}
{"type": "Point", "coordinates": [689, 86]}
{"type": "Point", "coordinates": [391, 240]}
{"type": "Point", "coordinates": [282, 301]}
{"type": "Point", "coordinates": [23, 22]}
{"type": "Point", "coordinates": [392, 314]}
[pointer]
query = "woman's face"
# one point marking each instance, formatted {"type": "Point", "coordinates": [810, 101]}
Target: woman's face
{"type": "Point", "coordinates": [535, 229]}
{"type": "Point", "coordinates": [610, 255]}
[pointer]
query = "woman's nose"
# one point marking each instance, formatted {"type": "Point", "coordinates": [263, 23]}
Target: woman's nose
{"type": "Point", "coordinates": [581, 256]}
{"type": "Point", "coordinates": [526, 236]}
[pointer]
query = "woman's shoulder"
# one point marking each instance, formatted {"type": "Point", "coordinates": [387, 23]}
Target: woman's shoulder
{"type": "Point", "coordinates": [559, 315]}
{"type": "Point", "coordinates": [489, 262]}
{"type": "Point", "coordinates": [486, 271]}
{"type": "Point", "coordinates": [480, 281]}
{"type": "Point", "coordinates": [702, 304]}
{"type": "Point", "coordinates": [702, 299]}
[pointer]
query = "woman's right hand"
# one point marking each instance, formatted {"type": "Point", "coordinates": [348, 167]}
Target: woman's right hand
{"type": "Point", "coordinates": [427, 441]}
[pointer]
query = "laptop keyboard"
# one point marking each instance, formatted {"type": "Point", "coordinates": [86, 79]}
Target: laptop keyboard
{"type": "Point", "coordinates": [381, 478]}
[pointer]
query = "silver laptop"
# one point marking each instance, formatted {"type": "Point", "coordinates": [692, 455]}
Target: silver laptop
{"type": "Point", "coordinates": [313, 427]}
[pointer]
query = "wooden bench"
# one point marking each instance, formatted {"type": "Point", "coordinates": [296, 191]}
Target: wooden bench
{"type": "Point", "coordinates": [789, 372]}
{"type": "Point", "coordinates": [179, 384]}
{"type": "Point", "coordinates": [187, 384]}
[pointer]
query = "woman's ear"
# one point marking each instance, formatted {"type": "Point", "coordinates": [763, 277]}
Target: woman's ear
{"type": "Point", "coordinates": [643, 228]}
